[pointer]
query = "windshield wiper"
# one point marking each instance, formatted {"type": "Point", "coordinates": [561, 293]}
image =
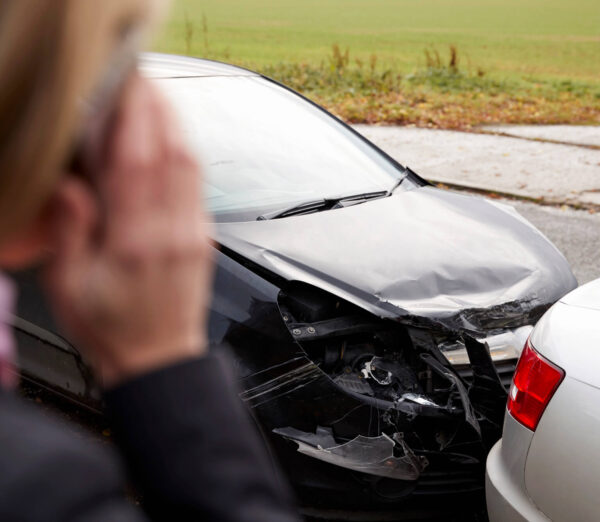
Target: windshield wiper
{"type": "Point", "coordinates": [318, 205]}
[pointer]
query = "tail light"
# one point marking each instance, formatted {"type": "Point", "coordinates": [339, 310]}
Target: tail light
{"type": "Point", "coordinates": [533, 385]}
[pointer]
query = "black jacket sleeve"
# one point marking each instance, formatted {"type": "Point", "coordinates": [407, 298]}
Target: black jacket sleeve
{"type": "Point", "coordinates": [50, 473]}
{"type": "Point", "coordinates": [192, 449]}
{"type": "Point", "coordinates": [188, 442]}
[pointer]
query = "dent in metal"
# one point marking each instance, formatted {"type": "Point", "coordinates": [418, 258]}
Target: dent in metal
{"type": "Point", "coordinates": [501, 272]}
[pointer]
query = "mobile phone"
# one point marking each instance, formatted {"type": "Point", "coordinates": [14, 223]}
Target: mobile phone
{"type": "Point", "coordinates": [99, 108]}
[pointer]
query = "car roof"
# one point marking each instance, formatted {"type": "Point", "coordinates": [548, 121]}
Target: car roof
{"type": "Point", "coordinates": [157, 65]}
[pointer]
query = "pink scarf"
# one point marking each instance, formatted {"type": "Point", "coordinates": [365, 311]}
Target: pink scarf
{"type": "Point", "coordinates": [8, 376]}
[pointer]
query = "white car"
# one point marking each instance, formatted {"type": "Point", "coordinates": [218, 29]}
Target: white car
{"type": "Point", "coordinates": [547, 464]}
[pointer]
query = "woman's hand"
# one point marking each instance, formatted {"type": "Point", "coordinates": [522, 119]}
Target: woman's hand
{"type": "Point", "coordinates": [131, 275]}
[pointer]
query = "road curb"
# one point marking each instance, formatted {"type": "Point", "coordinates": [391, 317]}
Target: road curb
{"type": "Point", "coordinates": [489, 192]}
{"type": "Point", "coordinates": [476, 130]}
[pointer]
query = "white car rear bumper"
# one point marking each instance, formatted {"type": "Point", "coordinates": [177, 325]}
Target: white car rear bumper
{"type": "Point", "coordinates": [506, 496]}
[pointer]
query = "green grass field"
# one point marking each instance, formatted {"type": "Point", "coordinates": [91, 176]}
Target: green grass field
{"type": "Point", "coordinates": [546, 52]}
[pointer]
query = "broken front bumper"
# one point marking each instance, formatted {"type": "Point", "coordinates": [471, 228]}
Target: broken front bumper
{"type": "Point", "coordinates": [369, 412]}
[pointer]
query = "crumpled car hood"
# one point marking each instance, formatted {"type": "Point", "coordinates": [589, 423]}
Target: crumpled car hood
{"type": "Point", "coordinates": [424, 252]}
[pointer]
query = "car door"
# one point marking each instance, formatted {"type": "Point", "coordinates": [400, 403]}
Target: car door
{"type": "Point", "coordinates": [44, 356]}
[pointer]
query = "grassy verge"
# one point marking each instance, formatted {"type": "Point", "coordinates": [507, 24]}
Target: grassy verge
{"type": "Point", "coordinates": [438, 63]}
{"type": "Point", "coordinates": [438, 95]}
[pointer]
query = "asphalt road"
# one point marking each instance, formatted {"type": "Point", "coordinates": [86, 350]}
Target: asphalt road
{"type": "Point", "coordinates": [576, 233]}
{"type": "Point", "coordinates": [554, 172]}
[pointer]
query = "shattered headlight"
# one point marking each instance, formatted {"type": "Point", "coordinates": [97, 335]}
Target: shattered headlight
{"type": "Point", "coordinates": [503, 346]}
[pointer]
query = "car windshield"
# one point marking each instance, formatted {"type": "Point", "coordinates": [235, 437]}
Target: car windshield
{"type": "Point", "coordinates": [263, 148]}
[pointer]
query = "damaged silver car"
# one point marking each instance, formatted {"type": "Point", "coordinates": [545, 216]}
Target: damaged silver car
{"type": "Point", "coordinates": [374, 320]}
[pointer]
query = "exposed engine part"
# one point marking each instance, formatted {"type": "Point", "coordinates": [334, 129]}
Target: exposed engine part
{"type": "Point", "coordinates": [379, 375]}
{"type": "Point", "coordinates": [505, 345]}
{"type": "Point", "coordinates": [419, 399]}
{"type": "Point", "coordinates": [354, 383]}
{"type": "Point", "coordinates": [413, 411]}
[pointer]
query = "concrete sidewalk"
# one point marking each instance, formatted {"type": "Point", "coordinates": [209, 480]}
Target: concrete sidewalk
{"type": "Point", "coordinates": [520, 166]}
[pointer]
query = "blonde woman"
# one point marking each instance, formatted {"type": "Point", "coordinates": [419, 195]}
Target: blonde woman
{"type": "Point", "coordinates": [121, 236]}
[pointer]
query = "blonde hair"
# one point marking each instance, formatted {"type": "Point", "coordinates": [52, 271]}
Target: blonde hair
{"type": "Point", "coordinates": [52, 54]}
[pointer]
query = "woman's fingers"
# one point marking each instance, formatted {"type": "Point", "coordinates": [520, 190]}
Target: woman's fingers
{"type": "Point", "coordinates": [130, 180]}
{"type": "Point", "coordinates": [150, 174]}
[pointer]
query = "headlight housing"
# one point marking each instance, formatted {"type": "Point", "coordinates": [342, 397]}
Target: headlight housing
{"type": "Point", "coordinates": [504, 346]}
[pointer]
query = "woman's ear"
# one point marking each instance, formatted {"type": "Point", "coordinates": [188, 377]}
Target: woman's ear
{"type": "Point", "coordinates": [72, 207]}
{"type": "Point", "coordinates": [30, 245]}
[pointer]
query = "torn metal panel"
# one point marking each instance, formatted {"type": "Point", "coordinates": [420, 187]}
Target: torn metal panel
{"type": "Point", "coordinates": [486, 391]}
{"type": "Point", "coordinates": [372, 455]}
{"type": "Point", "coordinates": [458, 385]}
